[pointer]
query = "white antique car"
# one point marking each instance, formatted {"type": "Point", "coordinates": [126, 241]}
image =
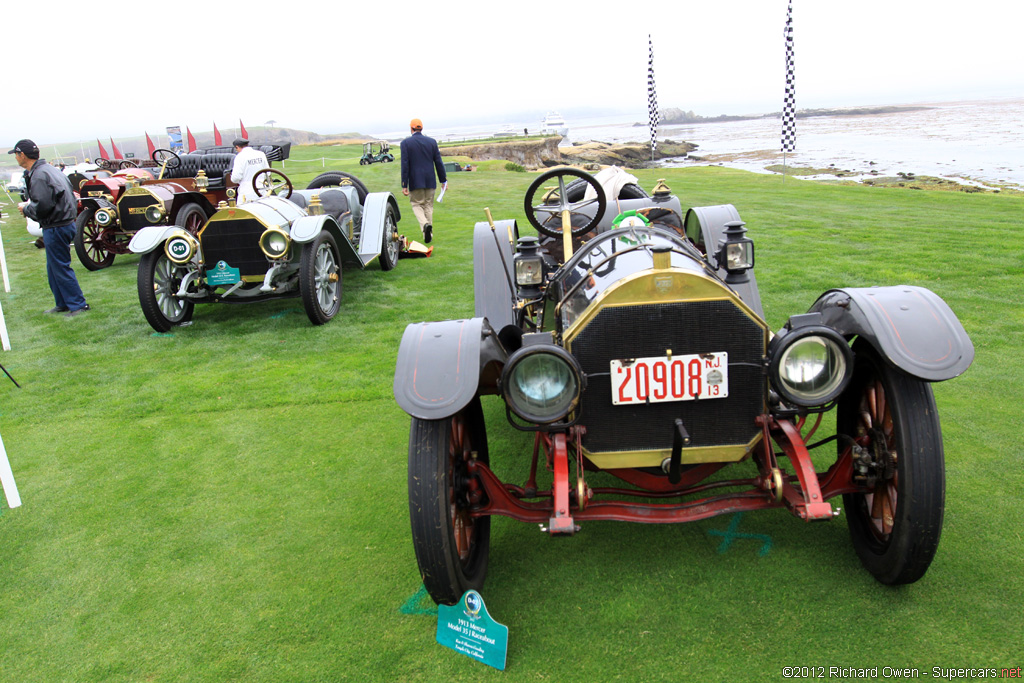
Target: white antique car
{"type": "Point", "coordinates": [287, 243]}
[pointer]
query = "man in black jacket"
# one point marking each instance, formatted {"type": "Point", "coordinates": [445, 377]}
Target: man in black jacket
{"type": "Point", "coordinates": [51, 203]}
{"type": "Point", "coordinates": [420, 158]}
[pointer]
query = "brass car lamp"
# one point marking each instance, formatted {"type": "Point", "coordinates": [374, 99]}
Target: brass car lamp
{"type": "Point", "coordinates": [202, 182]}
{"type": "Point", "coordinates": [529, 267]}
{"type": "Point", "coordinates": [155, 213]}
{"type": "Point", "coordinates": [181, 248]}
{"type": "Point", "coordinates": [105, 217]}
{"type": "Point", "coordinates": [274, 242]}
{"type": "Point", "coordinates": [736, 252]}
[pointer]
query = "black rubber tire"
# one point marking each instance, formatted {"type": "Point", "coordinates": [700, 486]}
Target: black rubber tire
{"type": "Point", "coordinates": [191, 217]}
{"type": "Point", "coordinates": [319, 261]}
{"type": "Point", "coordinates": [575, 190]}
{"type": "Point", "coordinates": [537, 185]}
{"type": "Point", "coordinates": [437, 460]}
{"type": "Point", "coordinates": [338, 178]}
{"type": "Point", "coordinates": [158, 278]}
{"type": "Point", "coordinates": [389, 246]}
{"type": "Point", "coordinates": [917, 485]}
{"type": "Point", "coordinates": [91, 254]}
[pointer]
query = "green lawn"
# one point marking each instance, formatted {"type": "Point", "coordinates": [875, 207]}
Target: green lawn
{"type": "Point", "coordinates": [228, 502]}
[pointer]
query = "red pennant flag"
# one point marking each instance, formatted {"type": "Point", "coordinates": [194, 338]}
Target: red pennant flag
{"type": "Point", "coordinates": [242, 127]}
{"type": "Point", "coordinates": [216, 135]}
{"type": "Point", "coordinates": [103, 152]}
{"type": "Point", "coordinates": [150, 147]}
{"type": "Point", "coordinates": [191, 140]}
{"type": "Point", "coordinates": [117, 152]}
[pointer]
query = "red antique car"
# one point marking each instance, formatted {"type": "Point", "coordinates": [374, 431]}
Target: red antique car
{"type": "Point", "coordinates": [185, 191]}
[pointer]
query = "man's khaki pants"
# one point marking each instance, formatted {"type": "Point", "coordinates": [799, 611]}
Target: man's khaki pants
{"type": "Point", "coordinates": [423, 205]}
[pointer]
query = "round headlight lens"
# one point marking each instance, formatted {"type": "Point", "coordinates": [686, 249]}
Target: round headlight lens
{"type": "Point", "coordinates": [104, 217]}
{"type": "Point", "coordinates": [154, 214]}
{"type": "Point", "coordinates": [813, 369]}
{"type": "Point", "coordinates": [274, 243]}
{"type": "Point", "coordinates": [542, 385]}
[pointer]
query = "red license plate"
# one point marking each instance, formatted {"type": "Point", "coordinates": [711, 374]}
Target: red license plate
{"type": "Point", "coordinates": [659, 379]}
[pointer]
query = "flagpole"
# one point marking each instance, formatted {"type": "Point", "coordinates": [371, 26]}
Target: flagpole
{"type": "Point", "coordinates": [789, 99]}
{"type": "Point", "coordinates": [652, 97]}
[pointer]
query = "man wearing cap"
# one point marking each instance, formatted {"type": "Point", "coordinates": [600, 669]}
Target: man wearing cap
{"type": "Point", "coordinates": [420, 157]}
{"type": "Point", "coordinates": [248, 162]}
{"type": "Point", "coordinates": [52, 204]}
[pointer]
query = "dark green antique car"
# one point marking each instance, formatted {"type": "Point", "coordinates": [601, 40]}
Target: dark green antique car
{"type": "Point", "coordinates": [635, 346]}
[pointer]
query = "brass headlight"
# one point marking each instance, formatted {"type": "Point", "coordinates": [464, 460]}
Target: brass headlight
{"type": "Point", "coordinates": [181, 248]}
{"type": "Point", "coordinates": [155, 213]}
{"type": "Point", "coordinates": [105, 217]}
{"type": "Point", "coordinates": [274, 242]}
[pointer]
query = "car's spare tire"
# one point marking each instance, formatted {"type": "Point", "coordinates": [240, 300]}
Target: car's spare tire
{"type": "Point", "coordinates": [338, 179]}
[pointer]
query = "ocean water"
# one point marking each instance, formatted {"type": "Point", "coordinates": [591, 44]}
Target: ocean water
{"type": "Point", "coordinates": [972, 141]}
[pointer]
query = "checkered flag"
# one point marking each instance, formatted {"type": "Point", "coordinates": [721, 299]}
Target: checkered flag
{"type": "Point", "coordinates": [789, 101]}
{"type": "Point", "coordinates": [652, 97]}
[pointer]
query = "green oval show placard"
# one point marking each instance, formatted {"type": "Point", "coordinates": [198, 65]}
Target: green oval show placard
{"type": "Point", "coordinates": [466, 627]}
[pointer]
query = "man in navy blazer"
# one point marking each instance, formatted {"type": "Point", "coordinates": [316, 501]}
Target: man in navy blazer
{"type": "Point", "coordinates": [420, 158]}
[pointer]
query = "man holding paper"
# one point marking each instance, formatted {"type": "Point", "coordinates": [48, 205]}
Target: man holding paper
{"type": "Point", "coordinates": [420, 158]}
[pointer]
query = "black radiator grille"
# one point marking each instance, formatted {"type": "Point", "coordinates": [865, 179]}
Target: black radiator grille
{"type": "Point", "coordinates": [237, 243]}
{"type": "Point", "coordinates": [133, 222]}
{"type": "Point", "coordinates": [686, 328]}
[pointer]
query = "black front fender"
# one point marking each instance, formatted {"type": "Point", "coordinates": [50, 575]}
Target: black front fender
{"type": "Point", "coordinates": [911, 326]}
{"type": "Point", "coordinates": [493, 290]}
{"type": "Point", "coordinates": [443, 365]}
{"type": "Point", "coordinates": [97, 203]}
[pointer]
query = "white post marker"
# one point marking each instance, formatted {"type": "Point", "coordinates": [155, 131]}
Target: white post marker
{"type": "Point", "coordinates": [7, 479]}
{"type": "Point", "coordinates": [4, 338]}
{"type": "Point", "coordinates": [7, 282]}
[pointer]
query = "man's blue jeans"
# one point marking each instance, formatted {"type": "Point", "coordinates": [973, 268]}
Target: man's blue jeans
{"type": "Point", "coordinates": [66, 291]}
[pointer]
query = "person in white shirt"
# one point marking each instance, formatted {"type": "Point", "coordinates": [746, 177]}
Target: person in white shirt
{"type": "Point", "coordinates": [248, 162]}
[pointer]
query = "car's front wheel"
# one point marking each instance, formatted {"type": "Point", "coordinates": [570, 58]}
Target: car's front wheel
{"type": "Point", "coordinates": [320, 278]}
{"type": "Point", "coordinates": [390, 242]}
{"type": "Point", "coordinates": [451, 545]}
{"type": "Point", "coordinates": [159, 282]}
{"type": "Point", "coordinates": [893, 420]}
{"type": "Point", "coordinates": [88, 245]}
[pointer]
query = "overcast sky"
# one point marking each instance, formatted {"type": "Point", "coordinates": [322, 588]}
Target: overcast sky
{"type": "Point", "coordinates": [371, 66]}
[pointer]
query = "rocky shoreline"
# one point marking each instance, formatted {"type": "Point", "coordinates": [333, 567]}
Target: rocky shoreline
{"type": "Point", "coordinates": [546, 152]}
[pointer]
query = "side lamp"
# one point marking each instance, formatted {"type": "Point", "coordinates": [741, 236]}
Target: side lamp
{"type": "Point", "coordinates": [735, 253]}
{"type": "Point", "coordinates": [529, 267]}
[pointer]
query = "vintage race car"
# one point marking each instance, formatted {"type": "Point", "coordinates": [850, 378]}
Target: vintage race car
{"type": "Point", "coordinates": [635, 346]}
{"type": "Point", "coordinates": [183, 190]}
{"type": "Point", "coordinates": [287, 243]}
{"type": "Point", "coordinates": [79, 175]}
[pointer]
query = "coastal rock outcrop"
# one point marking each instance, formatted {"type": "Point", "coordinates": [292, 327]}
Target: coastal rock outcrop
{"type": "Point", "coordinates": [546, 152]}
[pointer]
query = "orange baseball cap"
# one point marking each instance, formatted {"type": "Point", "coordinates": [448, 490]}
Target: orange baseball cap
{"type": "Point", "coordinates": [416, 124]}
